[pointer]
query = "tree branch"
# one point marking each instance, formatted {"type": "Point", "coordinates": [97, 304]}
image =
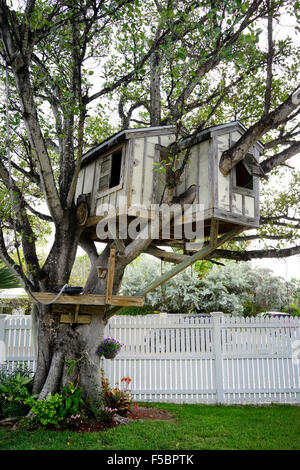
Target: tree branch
{"type": "Point", "coordinates": [272, 162]}
{"type": "Point", "coordinates": [257, 254]}
{"type": "Point", "coordinates": [274, 119]}
{"type": "Point", "coordinates": [28, 237]}
{"type": "Point", "coordinates": [14, 267]}
{"type": "Point", "coordinates": [19, 63]}
{"type": "Point", "coordinates": [90, 248]}
{"type": "Point", "coordinates": [269, 77]}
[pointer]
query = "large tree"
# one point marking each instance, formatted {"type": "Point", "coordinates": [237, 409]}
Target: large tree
{"type": "Point", "coordinates": [67, 66]}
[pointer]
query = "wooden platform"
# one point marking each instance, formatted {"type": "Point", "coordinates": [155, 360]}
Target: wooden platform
{"type": "Point", "coordinates": [71, 307]}
{"type": "Point", "coordinates": [79, 308]}
{"type": "Point", "coordinates": [119, 300]}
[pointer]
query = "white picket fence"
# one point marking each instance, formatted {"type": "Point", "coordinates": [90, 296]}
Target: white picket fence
{"type": "Point", "coordinates": [183, 359]}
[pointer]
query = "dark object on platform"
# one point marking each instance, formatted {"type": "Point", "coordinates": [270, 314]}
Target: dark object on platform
{"type": "Point", "coordinates": [72, 290]}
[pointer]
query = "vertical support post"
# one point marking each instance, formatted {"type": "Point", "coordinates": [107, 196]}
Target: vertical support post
{"type": "Point", "coordinates": [216, 317]}
{"type": "Point", "coordinates": [76, 313]}
{"type": "Point", "coordinates": [2, 339]}
{"type": "Point", "coordinates": [110, 276]}
{"type": "Point", "coordinates": [214, 232]}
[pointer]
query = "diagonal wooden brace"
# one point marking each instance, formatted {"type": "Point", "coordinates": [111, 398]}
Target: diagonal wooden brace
{"type": "Point", "coordinates": [201, 254]}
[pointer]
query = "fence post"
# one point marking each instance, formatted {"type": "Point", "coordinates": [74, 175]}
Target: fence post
{"type": "Point", "coordinates": [2, 339]}
{"type": "Point", "coordinates": [216, 317]}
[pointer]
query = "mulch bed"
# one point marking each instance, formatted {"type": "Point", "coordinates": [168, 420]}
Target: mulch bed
{"type": "Point", "coordinates": [135, 413]}
{"type": "Point", "coordinates": [143, 412]}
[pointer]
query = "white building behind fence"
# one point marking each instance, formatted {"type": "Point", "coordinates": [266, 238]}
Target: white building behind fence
{"type": "Point", "coordinates": [187, 359]}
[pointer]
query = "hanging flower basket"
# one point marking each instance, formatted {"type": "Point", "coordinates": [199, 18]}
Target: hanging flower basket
{"type": "Point", "coordinates": [110, 355]}
{"type": "Point", "coordinates": [109, 348]}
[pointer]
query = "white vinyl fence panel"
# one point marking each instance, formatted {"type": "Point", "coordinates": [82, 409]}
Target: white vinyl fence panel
{"type": "Point", "coordinates": [16, 345]}
{"type": "Point", "coordinates": [186, 359]}
{"type": "Point", "coordinates": [168, 359]}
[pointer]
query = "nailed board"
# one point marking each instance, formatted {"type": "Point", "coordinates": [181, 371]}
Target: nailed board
{"type": "Point", "coordinates": [81, 319]}
{"type": "Point", "coordinates": [89, 299]}
{"type": "Point", "coordinates": [71, 309]}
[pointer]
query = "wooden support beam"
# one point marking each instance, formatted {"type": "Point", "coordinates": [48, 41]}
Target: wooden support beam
{"type": "Point", "coordinates": [80, 319]}
{"type": "Point", "coordinates": [214, 232]}
{"type": "Point", "coordinates": [76, 313]}
{"type": "Point", "coordinates": [83, 309]}
{"type": "Point", "coordinates": [201, 254]}
{"type": "Point", "coordinates": [88, 299]}
{"type": "Point", "coordinates": [110, 276]}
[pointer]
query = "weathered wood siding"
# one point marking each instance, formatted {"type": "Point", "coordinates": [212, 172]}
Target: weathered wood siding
{"type": "Point", "coordinates": [143, 185]}
{"type": "Point", "coordinates": [198, 172]}
{"type": "Point", "coordinates": [146, 184]}
{"type": "Point", "coordinates": [231, 202]}
{"type": "Point", "coordinates": [223, 201]}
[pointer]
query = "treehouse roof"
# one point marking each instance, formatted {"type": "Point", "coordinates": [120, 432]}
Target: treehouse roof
{"type": "Point", "coordinates": [206, 133]}
{"type": "Point", "coordinates": [121, 136]}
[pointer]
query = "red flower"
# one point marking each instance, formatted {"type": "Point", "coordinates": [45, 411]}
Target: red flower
{"type": "Point", "coordinates": [126, 379]}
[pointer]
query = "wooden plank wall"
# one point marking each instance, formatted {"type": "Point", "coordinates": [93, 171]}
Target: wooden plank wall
{"type": "Point", "coordinates": [235, 204]}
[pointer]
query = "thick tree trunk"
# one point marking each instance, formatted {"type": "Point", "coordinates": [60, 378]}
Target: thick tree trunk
{"type": "Point", "coordinates": [67, 352]}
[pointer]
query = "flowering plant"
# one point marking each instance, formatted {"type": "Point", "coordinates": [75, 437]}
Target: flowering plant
{"type": "Point", "coordinates": [109, 348]}
{"type": "Point", "coordinates": [126, 380]}
{"type": "Point", "coordinates": [107, 414]}
{"type": "Point", "coordinates": [115, 398]}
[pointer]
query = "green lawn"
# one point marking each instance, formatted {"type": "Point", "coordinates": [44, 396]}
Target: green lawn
{"type": "Point", "coordinates": [197, 427]}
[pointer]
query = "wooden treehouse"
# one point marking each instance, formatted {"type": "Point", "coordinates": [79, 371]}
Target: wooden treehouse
{"type": "Point", "coordinates": [120, 171]}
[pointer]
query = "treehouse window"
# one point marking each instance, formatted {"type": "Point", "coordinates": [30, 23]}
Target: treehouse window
{"type": "Point", "coordinates": [110, 171]}
{"type": "Point", "coordinates": [243, 178]}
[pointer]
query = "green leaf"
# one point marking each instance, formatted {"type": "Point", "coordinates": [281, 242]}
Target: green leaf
{"type": "Point", "coordinates": [7, 279]}
{"type": "Point", "coordinates": [181, 53]}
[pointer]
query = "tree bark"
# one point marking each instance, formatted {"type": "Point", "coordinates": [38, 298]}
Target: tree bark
{"type": "Point", "coordinates": [155, 98]}
{"type": "Point", "coordinates": [272, 121]}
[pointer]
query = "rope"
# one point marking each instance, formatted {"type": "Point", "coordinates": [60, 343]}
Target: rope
{"type": "Point", "coordinates": [51, 301]}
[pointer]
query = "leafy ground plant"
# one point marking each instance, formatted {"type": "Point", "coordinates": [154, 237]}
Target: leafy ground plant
{"type": "Point", "coordinates": [15, 386]}
{"type": "Point", "coordinates": [58, 409]}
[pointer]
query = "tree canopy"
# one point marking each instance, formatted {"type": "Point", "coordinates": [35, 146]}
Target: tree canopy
{"type": "Point", "coordinates": [75, 72]}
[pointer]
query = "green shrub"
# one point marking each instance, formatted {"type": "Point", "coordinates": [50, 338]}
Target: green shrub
{"type": "Point", "coordinates": [145, 310]}
{"type": "Point", "coordinates": [56, 409]}
{"type": "Point", "coordinates": [28, 424]}
{"type": "Point", "coordinates": [73, 399]}
{"type": "Point", "coordinates": [15, 387]}
{"type": "Point", "coordinates": [49, 412]}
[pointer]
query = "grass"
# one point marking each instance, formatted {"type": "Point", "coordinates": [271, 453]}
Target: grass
{"type": "Point", "coordinates": [197, 427]}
